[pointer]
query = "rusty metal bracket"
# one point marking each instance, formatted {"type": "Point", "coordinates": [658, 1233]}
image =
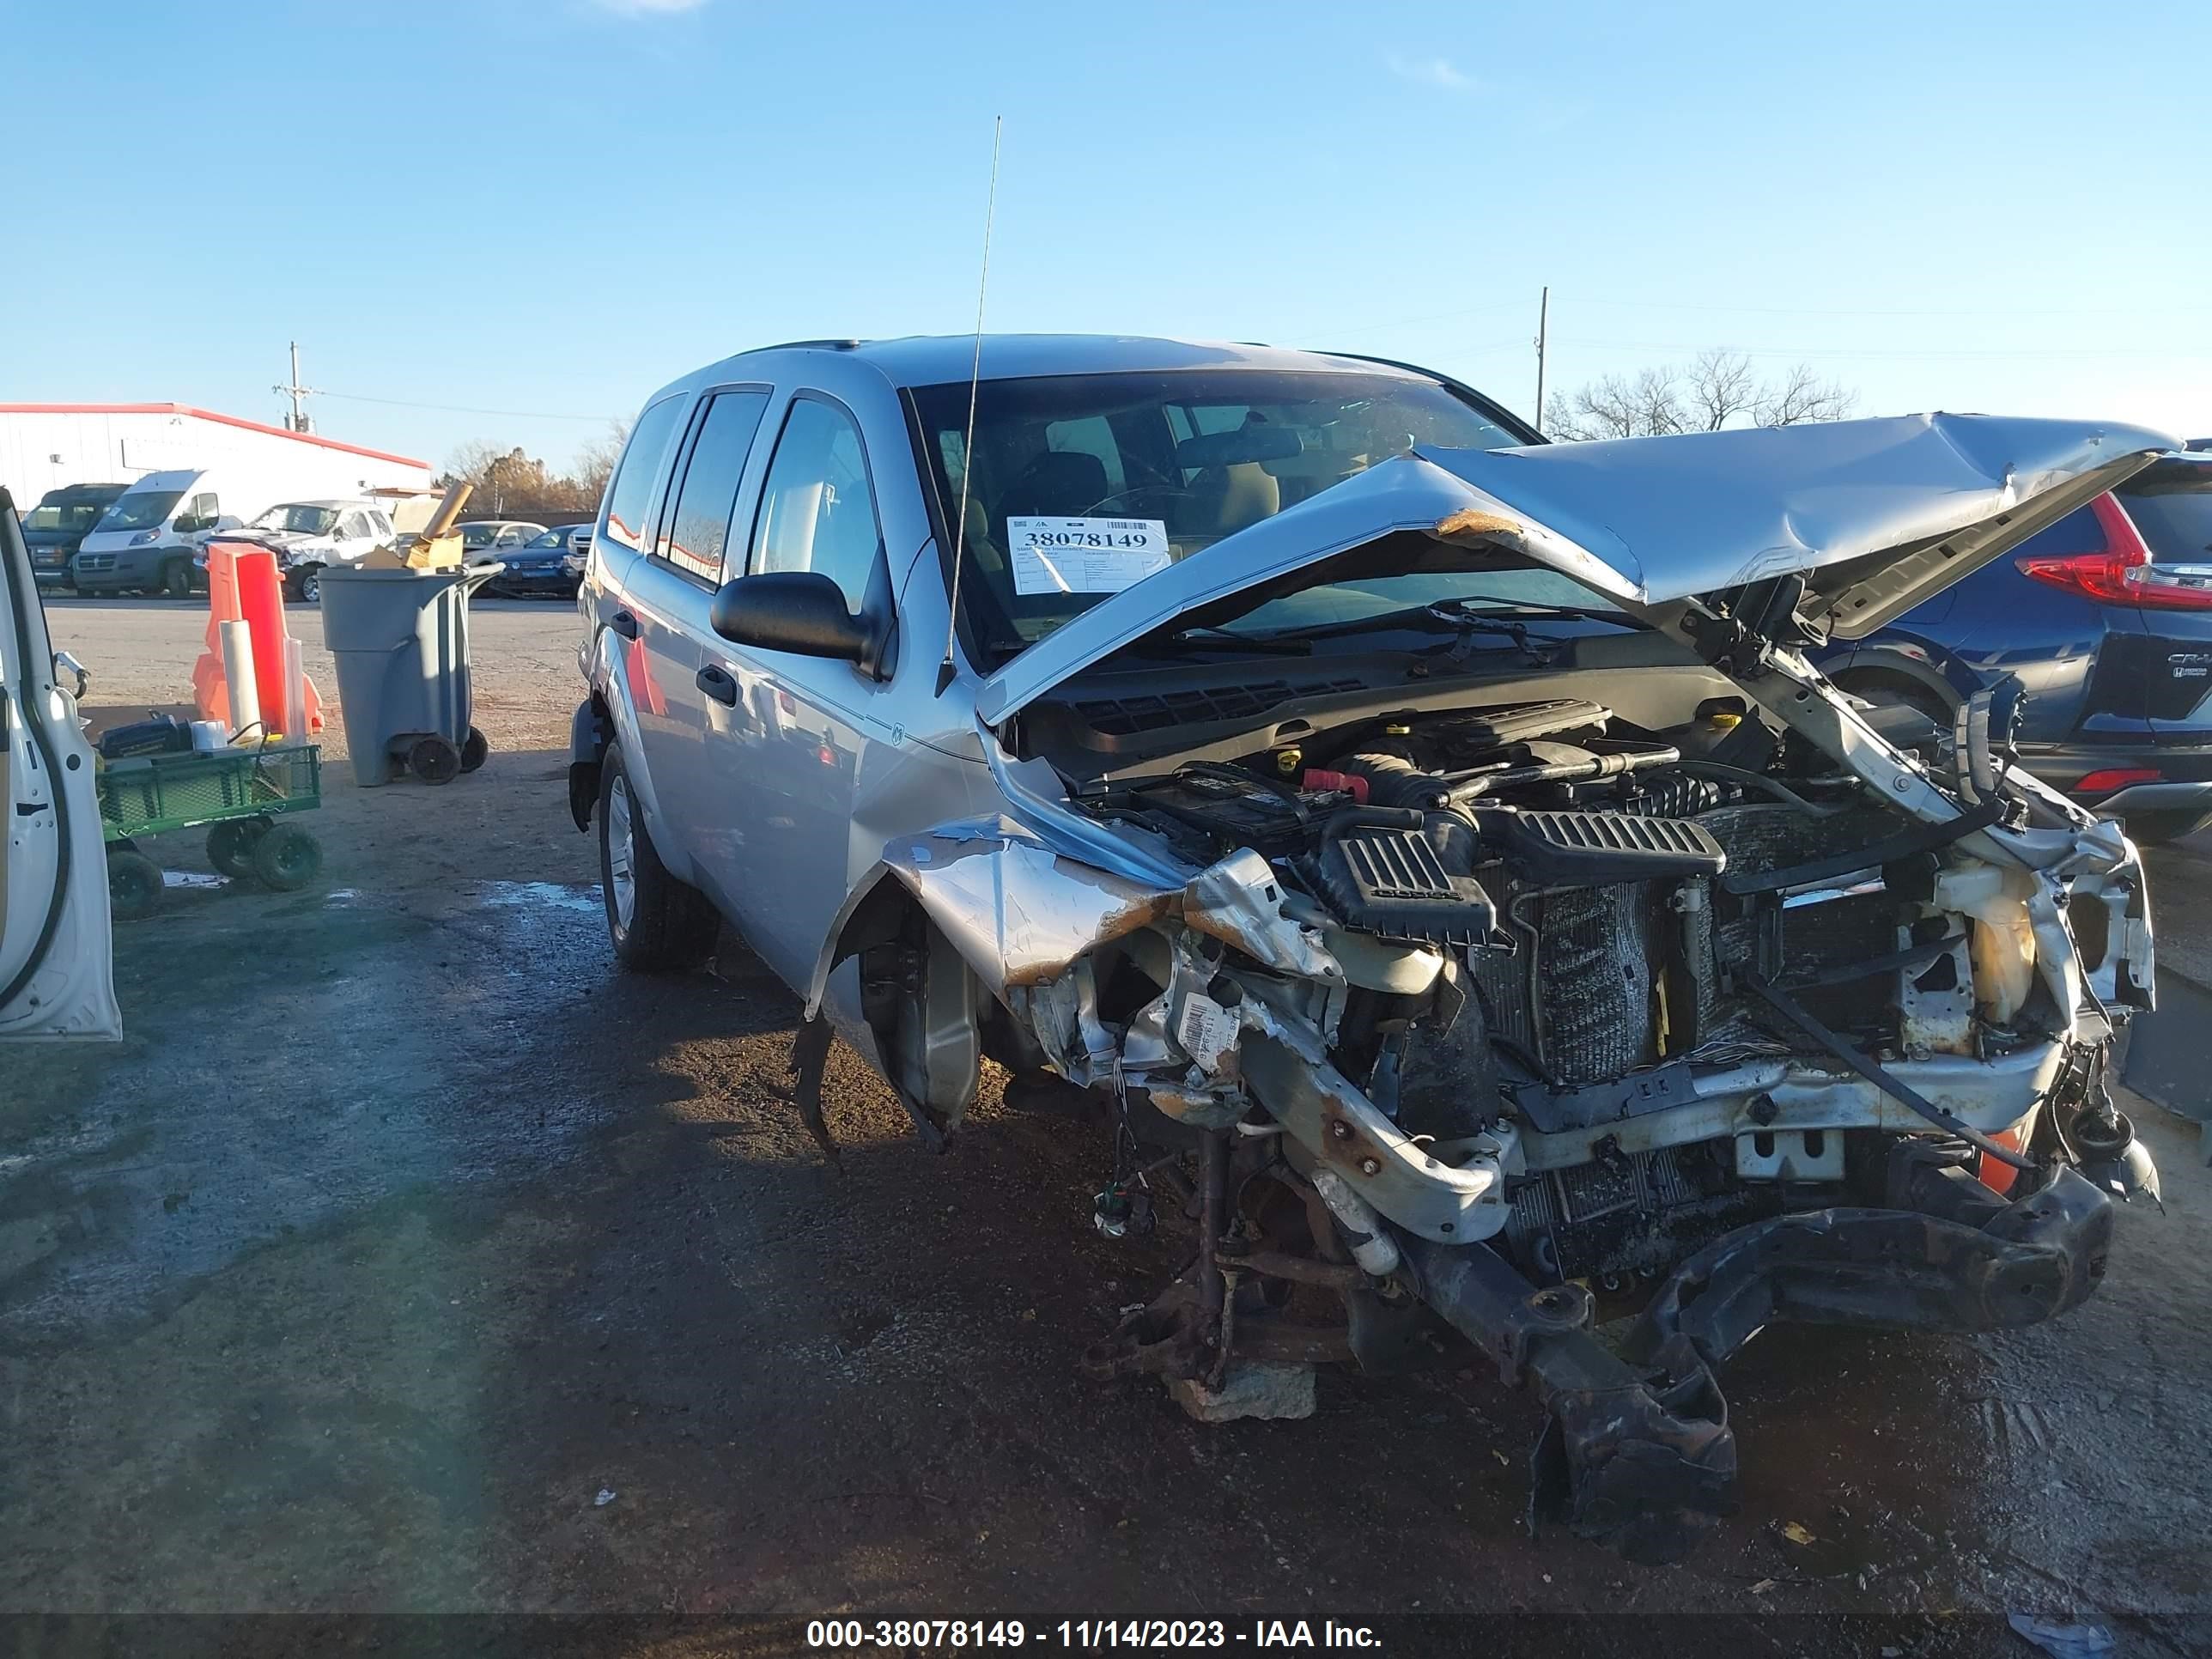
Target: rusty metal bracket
{"type": "Point", "coordinates": [1641, 1460]}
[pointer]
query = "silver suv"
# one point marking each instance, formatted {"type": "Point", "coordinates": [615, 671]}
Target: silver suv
{"type": "Point", "coordinates": [1430, 852]}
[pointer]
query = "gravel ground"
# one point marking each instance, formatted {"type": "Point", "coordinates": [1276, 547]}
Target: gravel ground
{"type": "Point", "coordinates": [406, 1258]}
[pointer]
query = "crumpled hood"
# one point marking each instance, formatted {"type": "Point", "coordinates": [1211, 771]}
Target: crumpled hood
{"type": "Point", "coordinates": [1880, 513]}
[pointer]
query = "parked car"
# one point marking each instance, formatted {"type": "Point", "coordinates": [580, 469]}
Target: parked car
{"type": "Point", "coordinates": [1428, 850]}
{"type": "Point", "coordinates": [308, 536]}
{"type": "Point", "coordinates": [57, 979]}
{"type": "Point", "coordinates": [147, 539]}
{"type": "Point", "coordinates": [2105, 618]}
{"type": "Point", "coordinates": [492, 538]}
{"type": "Point", "coordinates": [54, 528]}
{"type": "Point", "coordinates": [551, 563]}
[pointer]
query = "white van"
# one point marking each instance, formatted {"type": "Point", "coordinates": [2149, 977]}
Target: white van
{"type": "Point", "coordinates": [147, 540]}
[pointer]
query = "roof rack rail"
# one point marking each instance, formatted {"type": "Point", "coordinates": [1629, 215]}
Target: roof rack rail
{"type": "Point", "coordinates": [803, 345]}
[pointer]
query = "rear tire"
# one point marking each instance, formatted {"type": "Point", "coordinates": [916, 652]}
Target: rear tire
{"type": "Point", "coordinates": [656, 923]}
{"type": "Point", "coordinates": [134, 884]}
{"type": "Point", "coordinates": [288, 858]}
{"type": "Point", "coordinates": [230, 844]}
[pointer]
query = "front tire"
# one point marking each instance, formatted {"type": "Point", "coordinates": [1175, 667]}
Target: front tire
{"type": "Point", "coordinates": [288, 858]}
{"type": "Point", "coordinates": [177, 579]}
{"type": "Point", "coordinates": [656, 923]}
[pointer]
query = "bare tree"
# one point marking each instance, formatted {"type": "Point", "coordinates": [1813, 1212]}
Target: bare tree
{"type": "Point", "coordinates": [509, 483]}
{"type": "Point", "coordinates": [1618, 406]}
{"type": "Point", "coordinates": [1800, 395]}
{"type": "Point", "coordinates": [595, 461]}
{"type": "Point", "coordinates": [1720, 386]}
{"type": "Point", "coordinates": [1716, 389]}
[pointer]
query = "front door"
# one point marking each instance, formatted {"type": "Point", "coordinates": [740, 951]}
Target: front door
{"type": "Point", "coordinates": [56, 975]}
{"type": "Point", "coordinates": [787, 786]}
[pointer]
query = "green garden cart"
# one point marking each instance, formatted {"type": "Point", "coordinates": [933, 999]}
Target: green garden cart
{"type": "Point", "coordinates": [246, 796]}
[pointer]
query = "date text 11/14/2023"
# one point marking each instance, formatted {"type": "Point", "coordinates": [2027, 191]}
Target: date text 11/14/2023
{"type": "Point", "coordinates": [1080, 1635]}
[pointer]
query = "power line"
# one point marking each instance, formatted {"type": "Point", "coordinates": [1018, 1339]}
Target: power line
{"type": "Point", "coordinates": [1408, 322]}
{"type": "Point", "coordinates": [1867, 311]}
{"type": "Point", "coordinates": [465, 408]}
{"type": "Point", "coordinates": [1906, 354]}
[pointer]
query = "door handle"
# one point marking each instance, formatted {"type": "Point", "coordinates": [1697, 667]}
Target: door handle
{"type": "Point", "coordinates": [624, 623]}
{"type": "Point", "coordinates": [719, 683]}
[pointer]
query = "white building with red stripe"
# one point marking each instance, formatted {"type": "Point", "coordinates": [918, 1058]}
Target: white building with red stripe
{"type": "Point", "coordinates": [45, 446]}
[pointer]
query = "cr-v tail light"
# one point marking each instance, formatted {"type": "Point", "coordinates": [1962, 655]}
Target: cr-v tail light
{"type": "Point", "coordinates": [2122, 571]}
{"type": "Point", "coordinates": [2105, 780]}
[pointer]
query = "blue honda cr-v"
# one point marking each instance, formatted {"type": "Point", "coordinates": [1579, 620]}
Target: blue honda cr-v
{"type": "Point", "coordinates": [2106, 619]}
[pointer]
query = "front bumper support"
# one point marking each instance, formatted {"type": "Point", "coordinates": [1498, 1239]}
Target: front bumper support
{"type": "Point", "coordinates": [1912, 1270]}
{"type": "Point", "coordinates": [1641, 1459]}
{"type": "Point", "coordinates": [1636, 1451]}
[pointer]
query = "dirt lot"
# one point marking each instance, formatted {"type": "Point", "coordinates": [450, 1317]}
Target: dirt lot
{"type": "Point", "coordinates": [405, 1258]}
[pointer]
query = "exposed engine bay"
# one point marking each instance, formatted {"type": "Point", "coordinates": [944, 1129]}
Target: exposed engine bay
{"type": "Point", "coordinates": [1607, 911]}
{"type": "Point", "coordinates": [1486, 1016]}
{"type": "Point", "coordinates": [1637, 977]}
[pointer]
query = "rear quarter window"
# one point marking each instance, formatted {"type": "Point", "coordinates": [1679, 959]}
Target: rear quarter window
{"type": "Point", "coordinates": [2077, 533]}
{"type": "Point", "coordinates": [2175, 519]}
{"type": "Point", "coordinates": [629, 498]}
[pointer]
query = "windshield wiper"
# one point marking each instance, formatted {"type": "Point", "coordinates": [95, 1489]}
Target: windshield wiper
{"type": "Point", "coordinates": [1460, 616]}
{"type": "Point", "coordinates": [1531, 607]}
{"type": "Point", "coordinates": [1269, 645]}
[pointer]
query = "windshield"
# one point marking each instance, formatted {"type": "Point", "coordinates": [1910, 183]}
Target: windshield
{"type": "Point", "coordinates": [141, 509]}
{"type": "Point", "coordinates": [550, 538]}
{"type": "Point", "coordinates": [1083, 484]}
{"type": "Point", "coordinates": [298, 516]}
{"type": "Point", "coordinates": [70, 518]}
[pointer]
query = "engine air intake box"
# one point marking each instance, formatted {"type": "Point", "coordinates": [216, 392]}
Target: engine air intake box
{"type": "Point", "coordinates": [1560, 849]}
{"type": "Point", "coordinates": [1389, 880]}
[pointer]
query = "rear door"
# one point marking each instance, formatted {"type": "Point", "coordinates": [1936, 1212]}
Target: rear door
{"type": "Point", "coordinates": [56, 973]}
{"type": "Point", "coordinates": [2170, 505]}
{"type": "Point", "coordinates": [671, 590]}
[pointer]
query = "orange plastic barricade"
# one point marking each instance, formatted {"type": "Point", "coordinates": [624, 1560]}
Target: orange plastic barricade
{"type": "Point", "coordinates": [244, 586]}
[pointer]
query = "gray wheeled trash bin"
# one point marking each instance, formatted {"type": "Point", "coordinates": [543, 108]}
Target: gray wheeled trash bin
{"type": "Point", "coordinates": [401, 639]}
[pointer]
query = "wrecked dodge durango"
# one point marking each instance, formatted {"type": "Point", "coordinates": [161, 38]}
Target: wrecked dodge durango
{"type": "Point", "coordinates": [1427, 851]}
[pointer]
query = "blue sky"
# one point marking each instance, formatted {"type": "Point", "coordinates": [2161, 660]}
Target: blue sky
{"type": "Point", "coordinates": [543, 209]}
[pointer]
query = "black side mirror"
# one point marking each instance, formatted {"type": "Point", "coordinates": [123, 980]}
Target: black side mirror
{"type": "Point", "coordinates": [802, 611]}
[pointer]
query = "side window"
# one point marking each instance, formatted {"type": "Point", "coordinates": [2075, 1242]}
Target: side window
{"type": "Point", "coordinates": [817, 512]}
{"type": "Point", "coordinates": [201, 515]}
{"type": "Point", "coordinates": [355, 527]}
{"type": "Point", "coordinates": [630, 495]}
{"type": "Point", "coordinates": [697, 535]}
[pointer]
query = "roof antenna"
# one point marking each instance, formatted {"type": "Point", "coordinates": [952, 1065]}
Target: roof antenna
{"type": "Point", "coordinates": [945, 670]}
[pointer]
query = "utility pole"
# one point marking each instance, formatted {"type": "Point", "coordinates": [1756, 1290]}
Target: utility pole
{"type": "Point", "coordinates": [297, 421]}
{"type": "Point", "coordinates": [1543, 328]}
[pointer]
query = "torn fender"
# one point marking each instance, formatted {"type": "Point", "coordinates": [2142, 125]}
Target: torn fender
{"type": "Point", "coordinates": [1020, 913]}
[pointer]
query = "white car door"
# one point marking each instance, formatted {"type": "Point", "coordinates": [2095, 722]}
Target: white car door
{"type": "Point", "coordinates": [56, 977]}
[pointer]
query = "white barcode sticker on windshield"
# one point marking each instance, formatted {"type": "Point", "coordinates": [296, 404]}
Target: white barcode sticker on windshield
{"type": "Point", "coordinates": [1085, 556]}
